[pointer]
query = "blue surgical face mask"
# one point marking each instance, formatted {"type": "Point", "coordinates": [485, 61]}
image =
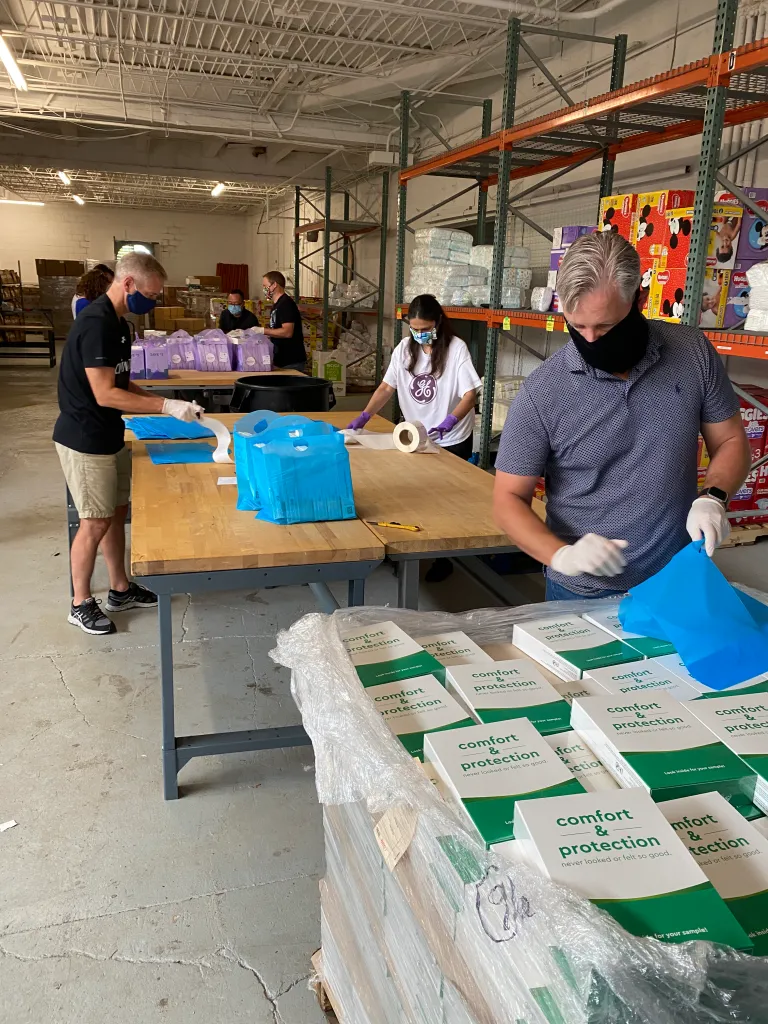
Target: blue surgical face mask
{"type": "Point", "coordinates": [139, 304]}
{"type": "Point", "coordinates": [234, 309]}
{"type": "Point", "coordinates": [424, 337]}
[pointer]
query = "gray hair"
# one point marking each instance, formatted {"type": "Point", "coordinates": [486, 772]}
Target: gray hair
{"type": "Point", "coordinates": [601, 260]}
{"type": "Point", "coordinates": [141, 265]}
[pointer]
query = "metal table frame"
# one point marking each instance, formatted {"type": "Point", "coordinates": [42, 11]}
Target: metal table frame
{"type": "Point", "coordinates": [179, 750]}
{"type": "Point", "coordinates": [408, 568]}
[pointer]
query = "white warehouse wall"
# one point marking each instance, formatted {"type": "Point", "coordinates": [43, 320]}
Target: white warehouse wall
{"type": "Point", "coordinates": [188, 243]}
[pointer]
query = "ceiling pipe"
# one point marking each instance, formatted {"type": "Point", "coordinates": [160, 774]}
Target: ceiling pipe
{"type": "Point", "coordinates": [512, 8]}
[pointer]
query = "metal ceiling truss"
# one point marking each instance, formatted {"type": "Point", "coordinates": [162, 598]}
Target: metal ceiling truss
{"type": "Point", "coordinates": [171, 192]}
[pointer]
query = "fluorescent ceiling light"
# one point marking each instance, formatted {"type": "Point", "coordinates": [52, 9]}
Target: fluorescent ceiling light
{"type": "Point", "coordinates": [217, 190]}
{"type": "Point", "coordinates": [13, 69]}
{"type": "Point", "coordinates": [64, 177]}
{"type": "Point", "coordinates": [79, 200]}
{"type": "Point", "coordinates": [21, 202]}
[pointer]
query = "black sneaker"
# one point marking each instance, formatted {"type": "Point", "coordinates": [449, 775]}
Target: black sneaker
{"type": "Point", "coordinates": [134, 597]}
{"type": "Point", "coordinates": [90, 618]}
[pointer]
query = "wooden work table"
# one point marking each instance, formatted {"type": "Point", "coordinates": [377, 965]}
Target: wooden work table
{"type": "Point", "coordinates": [209, 379]}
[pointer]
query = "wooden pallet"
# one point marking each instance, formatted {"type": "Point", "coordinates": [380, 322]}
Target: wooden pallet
{"type": "Point", "coordinates": [749, 534]}
{"type": "Point", "coordinates": [324, 995]}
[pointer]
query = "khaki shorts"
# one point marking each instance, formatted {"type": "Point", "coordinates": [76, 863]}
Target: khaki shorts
{"type": "Point", "coordinates": [98, 483]}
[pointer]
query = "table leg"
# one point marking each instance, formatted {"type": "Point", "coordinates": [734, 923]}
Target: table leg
{"type": "Point", "coordinates": [408, 584]}
{"type": "Point", "coordinates": [356, 594]}
{"type": "Point", "coordinates": [170, 770]}
{"type": "Point", "coordinates": [324, 597]}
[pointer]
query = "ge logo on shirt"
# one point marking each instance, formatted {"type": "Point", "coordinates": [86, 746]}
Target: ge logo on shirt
{"type": "Point", "coordinates": [423, 388]}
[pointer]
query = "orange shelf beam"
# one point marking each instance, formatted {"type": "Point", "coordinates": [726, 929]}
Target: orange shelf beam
{"type": "Point", "coordinates": [714, 69]}
{"type": "Point", "coordinates": [729, 343]}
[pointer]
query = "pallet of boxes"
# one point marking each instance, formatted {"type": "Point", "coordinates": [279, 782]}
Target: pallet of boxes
{"type": "Point", "coordinates": [532, 816]}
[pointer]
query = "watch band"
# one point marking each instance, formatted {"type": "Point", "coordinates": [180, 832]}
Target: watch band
{"type": "Point", "coordinates": [715, 492]}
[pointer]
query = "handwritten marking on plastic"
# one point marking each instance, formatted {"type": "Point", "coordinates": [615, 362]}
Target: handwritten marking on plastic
{"type": "Point", "coordinates": [394, 832]}
{"type": "Point", "coordinates": [501, 907]}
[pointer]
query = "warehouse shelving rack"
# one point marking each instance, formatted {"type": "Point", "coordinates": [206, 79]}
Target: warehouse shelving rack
{"type": "Point", "coordinates": [730, 87]}
{"type": "Point", "coordinates": [338, 235]}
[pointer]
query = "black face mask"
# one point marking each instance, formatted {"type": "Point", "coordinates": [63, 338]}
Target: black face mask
{"type": "Point", "coordinates": [619, 349]}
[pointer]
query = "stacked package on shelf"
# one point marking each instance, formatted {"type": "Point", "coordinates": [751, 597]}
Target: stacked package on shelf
{"type": "Point", "coordinates": [441, 267]}
{"type": "Point", "coordinates": [562, 239]}
{"type": "Point", "coordinates": [753, 493]}
{"type": "Point", "coordinates": [752, 250]}
{"type": "Point", "coordinates": [359, 350]}
{"type": "Point", "coordinates": [666, 298]}
{"type": "Point", "coordinates": [757, 278]}
{"type": "Point", "coordinates": [516, 276]}
{"type": "Point", "coordinates": [505, 390]}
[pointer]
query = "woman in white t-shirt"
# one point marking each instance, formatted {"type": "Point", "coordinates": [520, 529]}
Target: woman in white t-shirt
{"type": "Point", "coordinates": [431, 370]}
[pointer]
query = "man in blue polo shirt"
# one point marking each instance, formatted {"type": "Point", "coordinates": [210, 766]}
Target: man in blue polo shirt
{"type": "Point", "coordinates": [612, 423]}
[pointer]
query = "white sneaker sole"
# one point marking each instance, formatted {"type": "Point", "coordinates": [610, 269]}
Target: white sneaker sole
{"type": "Point", "coordinates": [128, 605]}
{"type": "Point", "coordinates": [94, 632]}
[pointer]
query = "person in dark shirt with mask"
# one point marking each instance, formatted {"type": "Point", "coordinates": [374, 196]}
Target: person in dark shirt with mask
{"type": "Point", "coordinates": [95, 389]}
{"type": "Point", "coordinates": [236, 317]}
{"type": "Point", "coordinates": [285, 327]}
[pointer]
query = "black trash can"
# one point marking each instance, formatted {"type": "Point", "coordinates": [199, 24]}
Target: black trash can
{"type": "Point", "coordinates": [282, 393]}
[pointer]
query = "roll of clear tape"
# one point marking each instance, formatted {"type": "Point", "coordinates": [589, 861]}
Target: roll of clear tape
{"type": "Point", "coordinates": [223, 438]}
{"type": "Point", "coordinates": [411, 437]}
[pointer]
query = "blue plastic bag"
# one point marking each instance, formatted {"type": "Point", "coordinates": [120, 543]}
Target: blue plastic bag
{"type": "Point", "coordinates": [720, 633]}
{"type": "Point", "coordinates": [305, 480]}
{"type": "Point", "coordinates": [166, 428]}
{"type": "Point", "coordinates": [258, 430]}
{"type": "Point", "coordinates": [175, 454]}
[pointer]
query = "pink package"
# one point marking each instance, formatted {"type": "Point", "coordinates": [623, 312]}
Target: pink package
{"type": "Point", "coordinates": [156, 360]}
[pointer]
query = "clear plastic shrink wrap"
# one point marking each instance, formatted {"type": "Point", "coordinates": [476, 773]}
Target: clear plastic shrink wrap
{"type": "Point", "coordinates": [453, 934]}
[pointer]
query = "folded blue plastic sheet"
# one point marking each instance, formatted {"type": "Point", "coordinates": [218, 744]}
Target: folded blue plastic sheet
{"type": "Point", "coordinates": [720, 633]}
{"type": "Point", "coordinates": [166, 428]}
{"type": "Point", "coordinates": [173, 454]}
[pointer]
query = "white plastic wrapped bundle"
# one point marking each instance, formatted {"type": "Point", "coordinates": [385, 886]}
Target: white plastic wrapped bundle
{"type": "Point", "coordinates": [512, 298]}
{"type": "Point", "coordinates": [757, 275]}
{"type": "Point", "coordinates": [473, 925]}
{"type": "Point", "coordinates": [422, 256]}
{"type": "Point", "coordinates": [480, 295]}
{"type": "Point", "coordinates": [477, 275]}
{"type": "Point", "coordinates": [517, 256]}
{"type": "Point", "coordinates": [517, 277]}
{"type": "Point", "coordinates": [434, 237]}
{"type": "Point", "coordinates": [541, 299]}
{"type": "Point", "coordinates": [482, 256]}
{"type": "Point", "coordinates": [757, 320]}
{"type": "Point", "coordinates": [461, 297]}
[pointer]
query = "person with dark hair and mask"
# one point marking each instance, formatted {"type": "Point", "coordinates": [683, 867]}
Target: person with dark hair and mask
{"type": "Point", "coordinates": [612, 421]}
{"type": "Point", "coordinates": [236, 317]}
{"type": "Point", "coordinates": [431, 372]}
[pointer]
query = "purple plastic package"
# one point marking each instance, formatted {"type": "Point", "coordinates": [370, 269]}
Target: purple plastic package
{"type": "Point", "coordinates": [214, 350]}
{"type": "Point", "coordinates": [556, 258]}
{"type": "Point", "coordinates": [137, 361]}
{"type": "Point", "coordinates": [253, 354]}
{"type": "Point", "coordinates": [564, 236]}
{"type": "Point", "coordinates": [181, 351]}
{"type": "Point", "coordinates": [156, 360]}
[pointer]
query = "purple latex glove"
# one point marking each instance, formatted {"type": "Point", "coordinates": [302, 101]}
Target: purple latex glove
{"type": "Point", "coordinates": [359, 421]}
{"type": "Point", "coordinates": [445, 427]}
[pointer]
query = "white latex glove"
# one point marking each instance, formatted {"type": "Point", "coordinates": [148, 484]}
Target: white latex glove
{"type": "Point", "coordinates": [186, 411]}
{"type": "Point", "coordinates": [590, 554]}
{"type": "Point", "coordinates": [707, 519]}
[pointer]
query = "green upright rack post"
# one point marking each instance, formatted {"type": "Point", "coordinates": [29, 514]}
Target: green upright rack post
{"type": "Point", "coordinates": [345, 247]}
{"type": "Point", "coordinates": [714, 114]}
{"type": "Point", "coordinates": [612, 124]}
{"type": "Point", "coordinates": [327, 254]}
{"type": "Point", "coordinates": [482, 193]}
{"type": "Point", "coordinates": [482, 210]}
{"type": "Point", "coordinates": [402, 199]}
{"type": "Point", "coordinates": [296, 244]}
{"type": "Point", "coordinates": [382, 277]}
{"type": "Point", "coordinates": [499, 238]}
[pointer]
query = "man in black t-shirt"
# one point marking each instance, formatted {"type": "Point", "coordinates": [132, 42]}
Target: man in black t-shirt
{"type": "Point", "coordinates": [236, 317]}
{"type": "Point", "coordinates": [285, 328]}
{"type": "Point", "coordinates": [95, 389]}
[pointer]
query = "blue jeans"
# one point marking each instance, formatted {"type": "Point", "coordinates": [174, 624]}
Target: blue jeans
{"type": "Point", "coordinates": [557, 592]}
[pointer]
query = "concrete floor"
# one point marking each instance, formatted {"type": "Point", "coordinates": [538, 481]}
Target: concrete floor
{"type": "Point", "coordinates": [115, 905]}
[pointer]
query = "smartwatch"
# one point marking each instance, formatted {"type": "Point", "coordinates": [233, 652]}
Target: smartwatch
{"type": "Point", "coordinates": [715, 492]}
